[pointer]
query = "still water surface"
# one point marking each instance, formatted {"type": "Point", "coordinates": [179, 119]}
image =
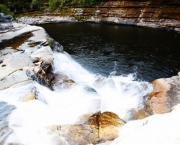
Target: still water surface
{"type": "Point", "coordinates": [106, 48]}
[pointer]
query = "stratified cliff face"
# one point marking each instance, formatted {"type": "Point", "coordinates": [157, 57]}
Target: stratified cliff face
{"type": "Point", "coordinates": [152, 13]}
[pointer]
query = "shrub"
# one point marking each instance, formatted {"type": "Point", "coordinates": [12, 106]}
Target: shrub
{"type": "Point", "coordinates": [51, 42]}
{"type": "Point", "coordinates": [5, 10]}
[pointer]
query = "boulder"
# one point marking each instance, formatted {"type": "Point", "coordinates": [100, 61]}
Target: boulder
{"type": "Point", "coordinates": [91, 129]}
{"type": "Point", "coordinates": [5, 18]}
{"type": "Point", "coordinates": [62, 82]}
{"type": "Point", "coordinates": [164, 96]}
{"type": "Point", "coordinates": [159, 129]}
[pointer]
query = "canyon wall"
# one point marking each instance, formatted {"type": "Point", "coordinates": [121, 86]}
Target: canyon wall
{"type": "Point", "coordinates": [154, 13]}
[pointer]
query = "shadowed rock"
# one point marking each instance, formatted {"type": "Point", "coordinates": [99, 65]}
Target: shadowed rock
{"type": "Point", "coordinates": [5, 110]}
{"type": "Point", "coordinates": [5, 18]}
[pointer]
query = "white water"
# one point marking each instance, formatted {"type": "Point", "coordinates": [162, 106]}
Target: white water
{"type": "Point", "coordinates": [30, 120]}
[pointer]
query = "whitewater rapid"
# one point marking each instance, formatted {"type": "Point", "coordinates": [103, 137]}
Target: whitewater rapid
{"type": "Point", "coordinates": [29, 121]}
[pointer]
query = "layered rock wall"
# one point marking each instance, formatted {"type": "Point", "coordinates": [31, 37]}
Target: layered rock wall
{"type": "Point", "coordinates": [154, 13]}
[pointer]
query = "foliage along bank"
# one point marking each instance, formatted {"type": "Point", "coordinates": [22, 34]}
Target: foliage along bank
{"type": "Point", "coordinates": [24, 5]}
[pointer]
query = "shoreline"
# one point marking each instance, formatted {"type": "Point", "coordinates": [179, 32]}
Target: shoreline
{"type": "Point", "coordinates": [39, 20]}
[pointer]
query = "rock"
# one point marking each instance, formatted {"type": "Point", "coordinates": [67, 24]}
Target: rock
{"type": "Point", "coordinates": [57, 47]}
{"type": "Point", "coordinates": [5, 18]}
{"type": "Point", "coordinates": [5, 110]}
{"type": "Point", "coordinates": [164, 96]}
{"type": "Point", "coordinates": [160, 129]}
{"type": "Point", "coordinates": [28, 97]}
{"type": "Point", "coordinates": [154, 14]}
{"type": "Point", "coordinates": [17, 30]}
{"type": "Point", "coordinates": [27, 62]}
{"type": "Point", "coordinates": [15, 77]}
{"type": "Point", "coordinates": [62, 82]}
{"type": "Point", "coordinates": [45, 19]}
{"type": "Point", "coordinates": [105, 143]}
{"type": "Point", "coordinates": [109, 126]}
{"type": "Point", "coordinates": [91, 129]}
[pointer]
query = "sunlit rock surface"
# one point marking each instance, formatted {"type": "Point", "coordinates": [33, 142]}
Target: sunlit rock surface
{"type": "Point", "coordinates": [91, 129]}
{"type": "Point", "coordinates": [162, 129]}
{"type": "Point", "coordinates": [45, 19]}
{"type": "Point", "coordinates": [154, 14]}
{"type": "Point", "coordinates": [24, 62]}
{"type": "Point", "coordinates": [165, 95]}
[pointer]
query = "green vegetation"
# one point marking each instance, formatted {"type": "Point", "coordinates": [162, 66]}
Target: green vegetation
{"type": "Point", "coordinates": [79, 18]}
{"type": "Point", "coordinates": [5, 10]}
{"type": "Point", "coordinates": [24, 5]}
{"type": "Point", "coordinates": [51, 42]}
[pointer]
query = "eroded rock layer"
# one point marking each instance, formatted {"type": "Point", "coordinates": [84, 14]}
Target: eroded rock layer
{"type": "Point", "coordinates": [152, 13]}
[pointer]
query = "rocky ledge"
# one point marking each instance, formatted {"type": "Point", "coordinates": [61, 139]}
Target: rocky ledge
{"type": "Point", "coordinates": [155, 14]}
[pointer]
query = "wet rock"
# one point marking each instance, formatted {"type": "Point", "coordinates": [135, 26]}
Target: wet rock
{"type": "Point", "coordinates": [57, 47]}
{"type": "Point", "coordinates": [5, 130]}
{"type": "Point", "coordinates": [109, 126]}
{"type": "Point", "coordinates": [28, 97]}
{"type": "Point", "coordinates": [4, 27]}
{"type": "Point", "coordinates": [164, 96]}
{"type": "Point", "coordinates": [91, 129]}
{"type": "Point", "coordinates": [5, 18]}
{"type": "Point", "coordinates": [5, 110]}
{"type": "Point", "coordinates": [62, 82]}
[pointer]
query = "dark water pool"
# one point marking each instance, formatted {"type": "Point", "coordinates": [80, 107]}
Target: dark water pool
{"type": "Point", "coordinates": [103, 48]}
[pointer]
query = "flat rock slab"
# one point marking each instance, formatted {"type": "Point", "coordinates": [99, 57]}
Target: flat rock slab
{"type": "Point", "coordinates": [15, 62]}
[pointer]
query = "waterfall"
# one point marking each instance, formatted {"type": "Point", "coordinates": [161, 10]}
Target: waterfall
{"type": "Point", "coordinates": [91, 93]}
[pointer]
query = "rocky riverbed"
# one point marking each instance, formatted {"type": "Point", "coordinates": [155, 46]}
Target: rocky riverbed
{"type": "Point", "coordinates": [32, 60]}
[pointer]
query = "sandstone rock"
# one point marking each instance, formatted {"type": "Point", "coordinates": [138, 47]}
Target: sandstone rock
{"type": "Point", "coordinates": [109, 126]}
{"type": "Point", "coordinates": [164, 96]}
{"type": "Point", "coordinates": [160, 129]}
{"type": "Point", "coordinates": [13, 78]}
{"type": "Point", "coordinates": [45, 19]}
{"type": "Point", "coordinates": [154, 14]}
{"type": "Point", "coordinates": [30, 96]}
{"type": "Point", "coordinates": [26, 62]}
{"type": "Point", "coordinates": [91, 129]}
